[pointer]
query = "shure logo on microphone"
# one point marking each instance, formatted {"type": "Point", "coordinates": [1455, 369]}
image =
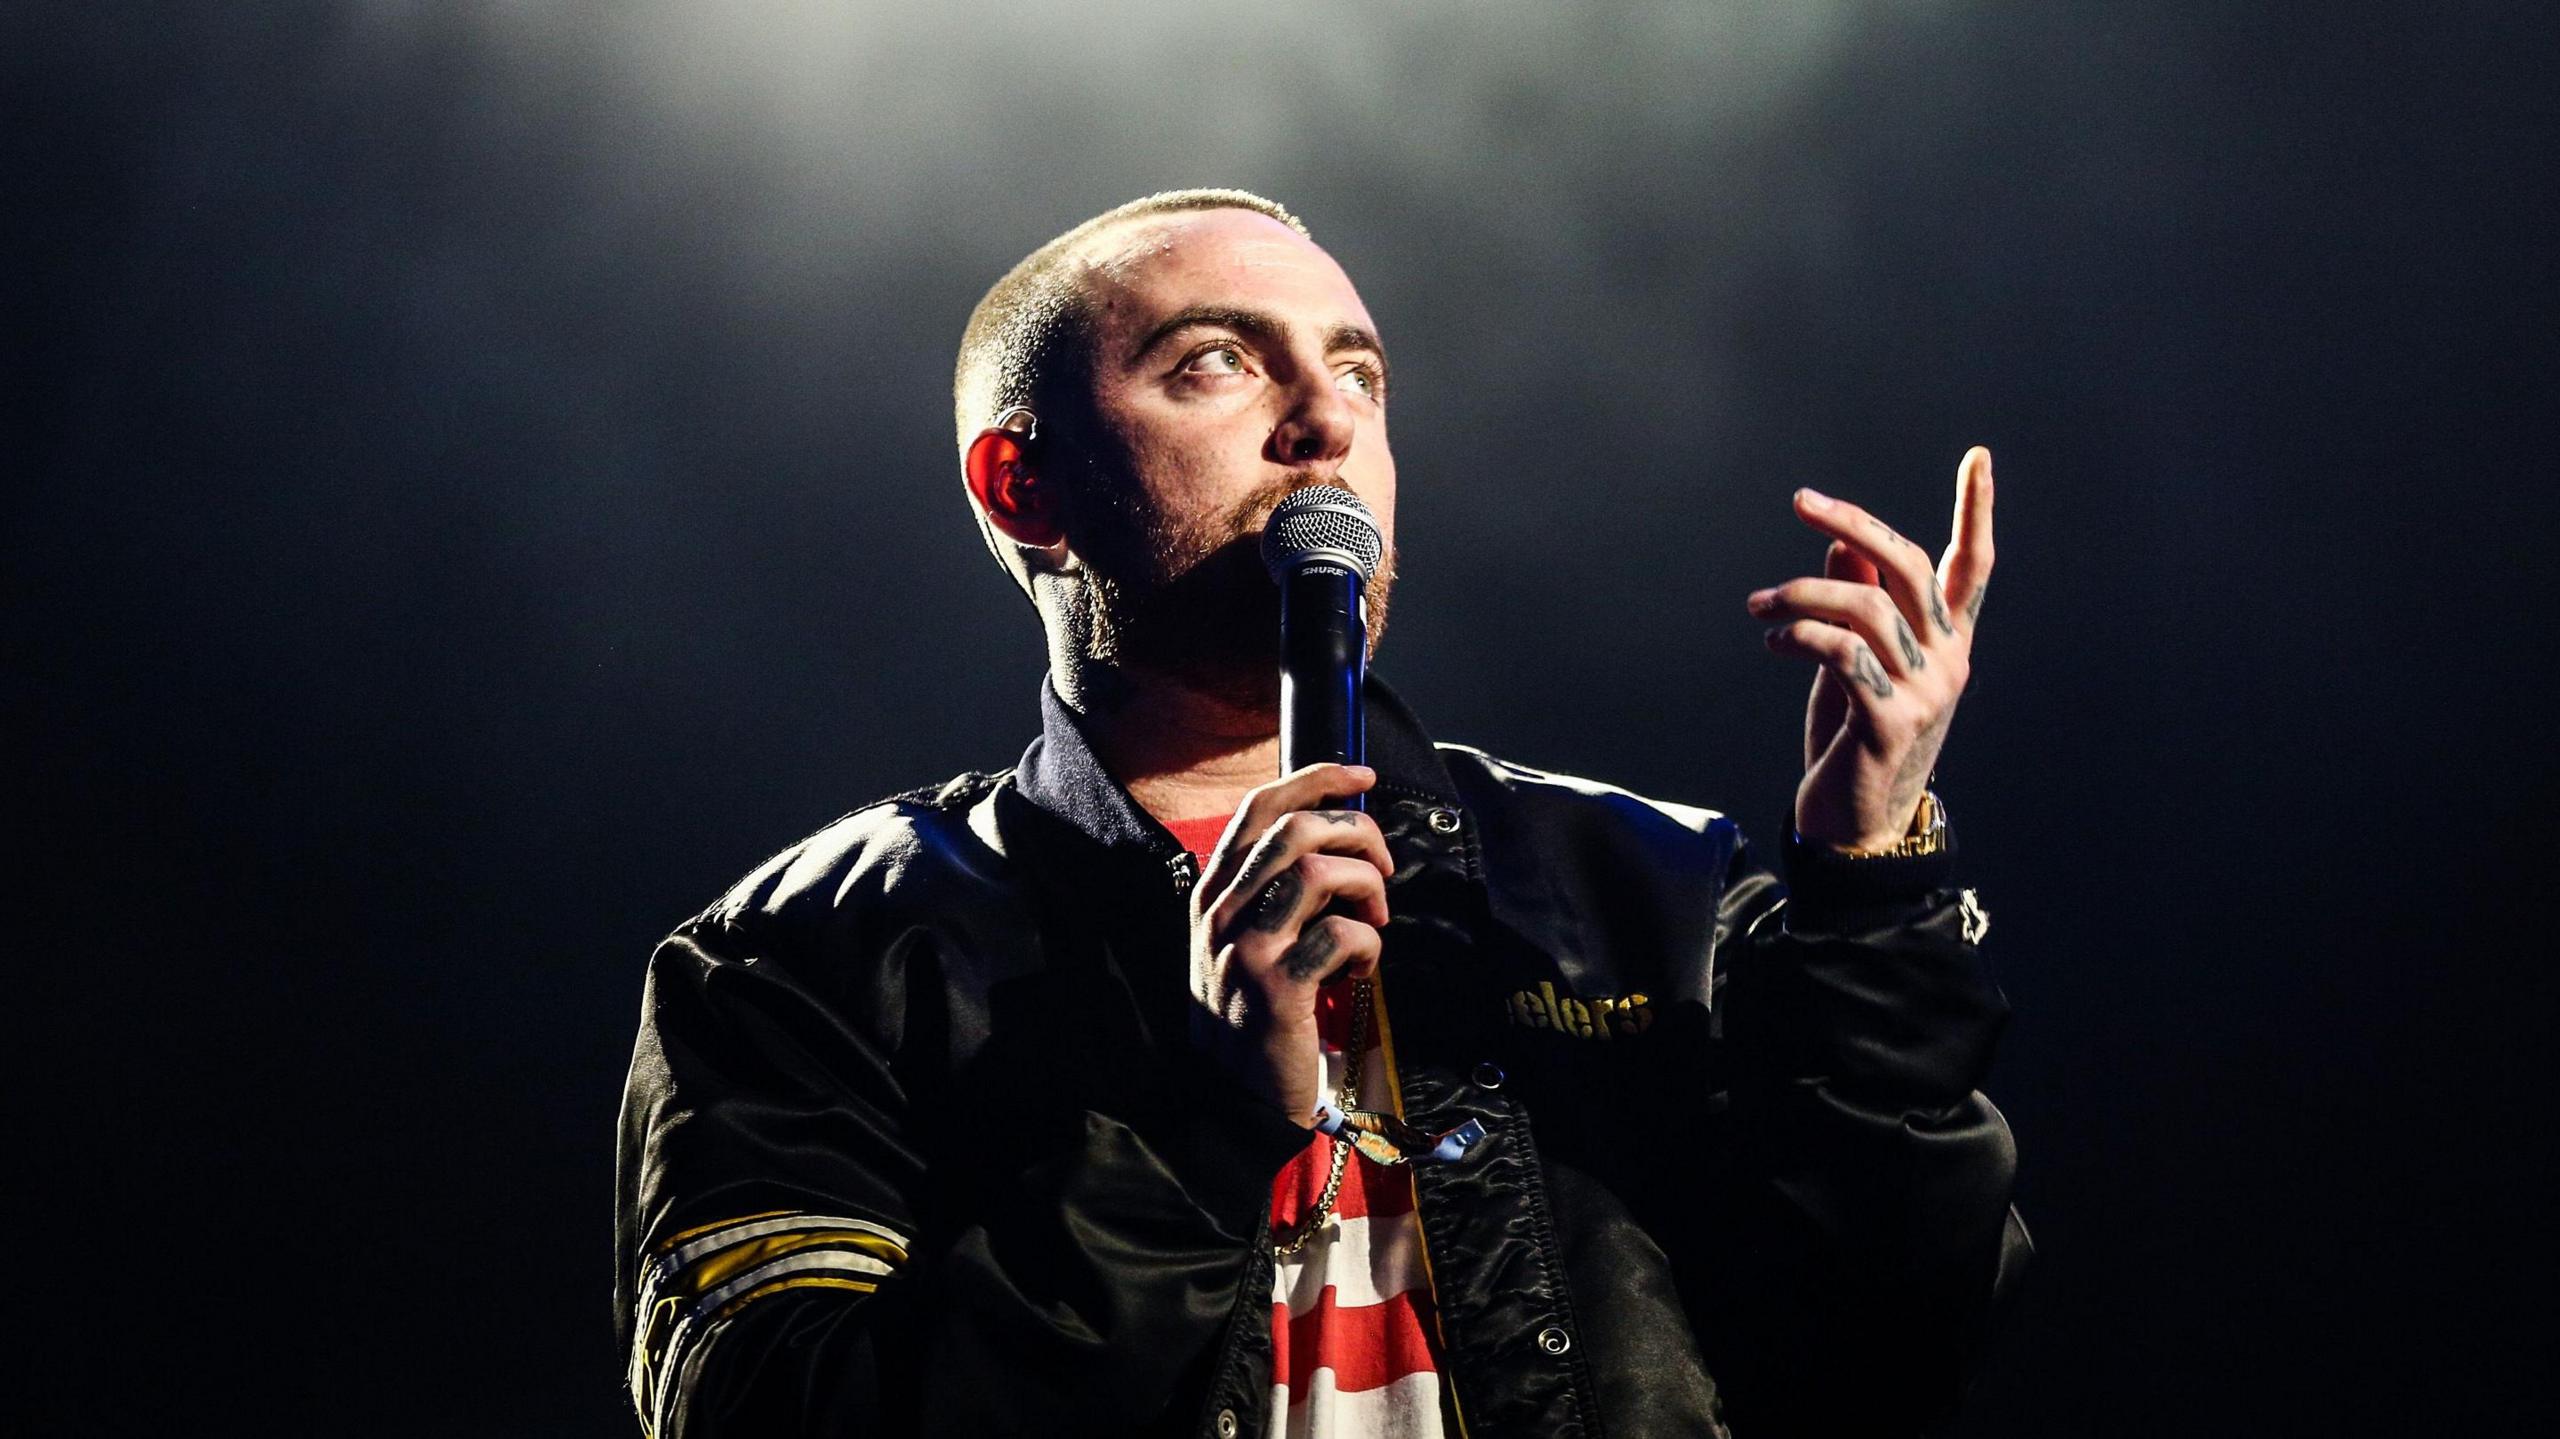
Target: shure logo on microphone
{"type": "Point", "coordinates": [1599, 1018]}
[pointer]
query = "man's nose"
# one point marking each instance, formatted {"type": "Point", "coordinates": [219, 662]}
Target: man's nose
{"type": "Point", "coordinates": [1319, 425]}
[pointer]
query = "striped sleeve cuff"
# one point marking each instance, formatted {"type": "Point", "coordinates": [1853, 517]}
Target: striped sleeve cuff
{"type": "Point", "coordinates": [699, 1277]}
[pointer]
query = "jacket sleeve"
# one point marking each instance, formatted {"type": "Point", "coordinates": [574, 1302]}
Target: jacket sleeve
{"type": "Point", "coordinates": [785, 1269]}
{"type": "Point", "coordinates": [1867, 1234]}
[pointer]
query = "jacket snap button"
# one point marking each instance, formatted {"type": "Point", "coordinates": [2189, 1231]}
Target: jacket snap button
{"type": "Point", "coordinates": [1489, 1075]}
{"type": "Point", "coordinates": [1444, 821]}
{"type": "Point", "coordinates": [1226, 1424]}
{"type": "Point", "coordinates": [1554, 1340]}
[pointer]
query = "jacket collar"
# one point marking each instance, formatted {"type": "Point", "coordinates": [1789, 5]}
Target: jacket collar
{"type": "Point", "coordinates": [1061, 774]}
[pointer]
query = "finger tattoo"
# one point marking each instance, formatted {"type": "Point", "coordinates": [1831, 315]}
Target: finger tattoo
{"type": "Point", "coordinates": [1938, 611]}
{"type": "Point", "coordinates": [1271, 908]}
{"type": "Point", "coordinates": [1257, 865]}
{"type": "Point", "coordinates": [1891, 534]}
{"type": "Point", "coordinates": [1973, 607]}
{"type": "Point", "coordinates": [1864, 669]}
{"type": "Point", "coordinates": [1314, 950]}
{"type": "Point", "coordinates": [1339, 816]}
{"type": "Point", "coordinates": [1910, 644]}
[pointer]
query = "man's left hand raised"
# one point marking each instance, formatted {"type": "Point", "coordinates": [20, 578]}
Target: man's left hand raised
{"type": "Point", "coordinates": [1895, 642]}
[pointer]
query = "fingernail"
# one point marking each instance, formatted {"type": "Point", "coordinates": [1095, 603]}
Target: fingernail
{"type": "Point", "coordinates": [1769, 636]}
{"type": "Point", "coordinates": [1814, 499]}
{"type": "Point", "coordinates": [1762, 601]}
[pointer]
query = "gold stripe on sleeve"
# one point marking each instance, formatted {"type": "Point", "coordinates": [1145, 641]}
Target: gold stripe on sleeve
{"type": "Point", "coordinates": [709, 1272]}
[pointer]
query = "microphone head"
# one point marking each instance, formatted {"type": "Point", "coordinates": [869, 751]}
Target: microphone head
{"type": "Point", "coordinates": [1322, 524]}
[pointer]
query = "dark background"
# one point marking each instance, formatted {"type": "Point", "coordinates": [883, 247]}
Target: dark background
{"type": "Point", "coordinates": [481, 479]}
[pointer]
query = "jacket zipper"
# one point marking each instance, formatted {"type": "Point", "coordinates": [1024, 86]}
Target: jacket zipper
{"type": "Point", "coordinates": [1421, 1234]}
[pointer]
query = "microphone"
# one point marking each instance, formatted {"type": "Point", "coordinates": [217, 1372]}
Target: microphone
{"type": "Point", "coordinates": [1321, 546]}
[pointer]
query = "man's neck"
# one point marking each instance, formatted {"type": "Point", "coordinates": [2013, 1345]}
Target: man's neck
{"type": "Point", "coordinates": [1182, 751]}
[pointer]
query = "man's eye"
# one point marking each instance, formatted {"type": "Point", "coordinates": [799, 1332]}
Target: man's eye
{"type": "Point", "coordinates": [1361, 380]}
{"type": "Point", "coordinates": [1217, 360]}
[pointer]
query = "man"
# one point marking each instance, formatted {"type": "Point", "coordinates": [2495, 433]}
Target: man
{"type": "Point", "coordinates": [987, 1109]}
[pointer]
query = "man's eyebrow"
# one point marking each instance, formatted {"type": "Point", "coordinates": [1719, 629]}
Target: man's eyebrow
{"type": "Point", "coordinates": [1257, 325]}
{"type": "Point", "coordinates": [1357, 337]}
{"type": "Point", "coordinates": [1223, 317]}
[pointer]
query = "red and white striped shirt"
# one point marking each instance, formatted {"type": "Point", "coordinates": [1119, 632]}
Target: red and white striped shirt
{"type": "Point", "coordinates": [1354, 1345]}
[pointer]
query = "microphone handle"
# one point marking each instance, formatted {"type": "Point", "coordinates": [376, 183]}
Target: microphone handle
{"type": "Point", "coordinates": [1324, 655]}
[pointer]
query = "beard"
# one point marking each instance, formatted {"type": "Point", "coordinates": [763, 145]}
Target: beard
{"type": "Point", "coordinates": [1191, 599]}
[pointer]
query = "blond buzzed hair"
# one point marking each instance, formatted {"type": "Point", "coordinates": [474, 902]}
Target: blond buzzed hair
{"type": "Point", "coordinates": [1029, 331]}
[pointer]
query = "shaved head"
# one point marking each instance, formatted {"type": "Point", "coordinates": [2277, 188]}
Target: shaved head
{"type": "Point", "coordinates": [1027, 339]}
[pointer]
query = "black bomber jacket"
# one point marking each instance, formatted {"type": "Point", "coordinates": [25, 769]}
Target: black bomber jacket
{"type": "Point", "coordinates": [916, 1142]}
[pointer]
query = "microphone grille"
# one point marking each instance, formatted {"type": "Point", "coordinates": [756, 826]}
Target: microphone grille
{"type": "Point", "coordinates": [1322, 522]}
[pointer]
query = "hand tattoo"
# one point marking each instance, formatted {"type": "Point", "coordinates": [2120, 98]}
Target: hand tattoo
{"type": "Point", "coordinates": [1864, 669]}
{"type": "Point", "coordinates": [1308, 957]}
{"type": "Point", "coordinates": [1913, 777]}
{"type": "Point", "coordinates": [1257, 864]}
{"type": "Point", "coordinates": [1973, 607]}
{"type": "Point", "coordinates": [1910, 644]}
{"type": "Point", "coordinates": [1271, 909]}
{"type": "Point", "coordinates": [1337, 816]}
{"type": "Point", "coordinates": [1938, 611]}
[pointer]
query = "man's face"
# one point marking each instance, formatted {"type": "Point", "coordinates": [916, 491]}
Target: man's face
{"type": "Point", "coordinates": [1232, 363]}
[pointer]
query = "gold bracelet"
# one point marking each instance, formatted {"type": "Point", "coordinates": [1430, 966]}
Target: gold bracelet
{"type": "Point", "coordinates": [1928, 834]}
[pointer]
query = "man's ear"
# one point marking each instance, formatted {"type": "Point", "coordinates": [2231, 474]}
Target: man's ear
{"type": "Point", "coordinates": [1009, 489]}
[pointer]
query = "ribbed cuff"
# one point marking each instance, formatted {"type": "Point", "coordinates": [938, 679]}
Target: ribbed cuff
{"type": "Point", "coordinates": [1822, 878]}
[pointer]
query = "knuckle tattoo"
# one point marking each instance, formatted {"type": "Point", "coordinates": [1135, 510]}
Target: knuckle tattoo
{"type": "Point", "coordinates": [1271, 909]}
{"type": "Point", "coordinates": [1314, 949]}
{"type": "Point", "coordinates": [1257, 865]}
{"type": "Point", "coordinates": [1866, 671]}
